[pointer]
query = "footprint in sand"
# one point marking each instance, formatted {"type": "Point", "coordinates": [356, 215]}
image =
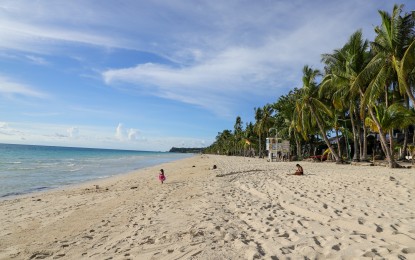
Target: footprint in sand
{"type": "Point", "coordinates": [379, 228]}
{"type": "Point", "coordinates": [409, 250]}
{"type": "Point", "coordinates": [336, 247]}
{"type": "Point", "coordinates": [317, 241]}
{"type": "Point", "coordinates": [372, 254]}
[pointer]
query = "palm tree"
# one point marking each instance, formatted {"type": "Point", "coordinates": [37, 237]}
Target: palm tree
{"type": "Point", "coordinates": [386, 119]}
{"type": "Point", "coordinates": [249, 136]}
{"type": "Point", "coordinates": [395, 48]}
{"type": "Point", "coordinates": [393, 57]}
{"type": "Point", "coordinates": [264, 121]}
{"type": "Point", "coordinates": [223, 142]}
{"type": "Point", "coordinates": [394, 53]}
{"type": "Point", "coordinates": [310, 109]}
{"type": "Point", "coordinates": [342, 69]}
{"type": "Point", "coordinates": [285, 119]}
{"type": "Point", "coordinates": [237, 132]}
{"type": "Point", "coordinates": [258, 128]}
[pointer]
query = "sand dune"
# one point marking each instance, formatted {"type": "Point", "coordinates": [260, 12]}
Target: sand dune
{"type": "Point", "coordinates": [245, 209]}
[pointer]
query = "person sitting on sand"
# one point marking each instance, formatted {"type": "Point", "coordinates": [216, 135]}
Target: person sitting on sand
{"type": "Point", "coordinates": [299, 170]}
{"type": "Point", "coordinates": [162, 177]}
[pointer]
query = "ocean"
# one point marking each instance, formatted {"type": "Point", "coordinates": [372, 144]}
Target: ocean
{"type": "Point", "coordinates": [30, 168]}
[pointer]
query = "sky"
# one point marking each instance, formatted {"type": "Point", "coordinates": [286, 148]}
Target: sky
{"type": "Point", "coordinates": [155, 74]}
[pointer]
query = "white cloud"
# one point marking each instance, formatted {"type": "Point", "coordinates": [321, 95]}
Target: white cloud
{"type": "Point", "coordinates": [184, 32]}
{"type": "Point", "coordinates": [133, 134]}
{"type": "Point", "coordinates": [119, 132]}
{"type": "Point", "coordinates": [11, 88]}
{"type": "Point", "coordinates": [232, 74]}
{"type": "Point", "coordinates": [7, 131]}
{"type": "Point", "coordinates": [237, 57]}
{"type": "Point", "coordinates": [91, 136]}
{"type": "Point", "coordinates": [73, 132]}
{"type": "Point", "coordinates": [122, 134]}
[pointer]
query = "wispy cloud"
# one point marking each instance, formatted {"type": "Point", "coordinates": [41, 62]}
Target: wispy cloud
{"type": "Point", "coordinates": [37, 60]}
{"type": "Point", "coordinates": [11, 88]}
{"type": "Point", "coordinates": [231, 73]}
{"type": "Point", "coordinates": [229, 58]}
{"type": "Point", "coordinates": [182, 31]}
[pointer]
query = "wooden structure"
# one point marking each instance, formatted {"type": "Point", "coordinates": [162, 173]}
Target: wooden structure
{"type": "Point", "coordinates": [278, 149]}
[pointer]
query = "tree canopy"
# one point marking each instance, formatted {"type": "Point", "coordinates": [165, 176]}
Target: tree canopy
{"type": "Point", "coordinates": [366, 89]}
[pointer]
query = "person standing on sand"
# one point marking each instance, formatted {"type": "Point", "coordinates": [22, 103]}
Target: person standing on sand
{"type": "Point", "coordinates": [162, 177]}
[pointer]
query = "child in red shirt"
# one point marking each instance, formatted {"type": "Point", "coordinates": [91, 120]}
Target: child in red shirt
{"type": "Point", "coordinates": [162, 177]}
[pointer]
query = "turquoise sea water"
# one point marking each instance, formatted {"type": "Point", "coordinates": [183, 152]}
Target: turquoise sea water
{"type": "Point", "coordinates": [30, 168]}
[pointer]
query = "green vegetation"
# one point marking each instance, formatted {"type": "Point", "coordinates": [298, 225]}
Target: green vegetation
{"type": "Point", "coordinates": [185, 150]}
{"type": "Point", "coordinates": [365, 90]}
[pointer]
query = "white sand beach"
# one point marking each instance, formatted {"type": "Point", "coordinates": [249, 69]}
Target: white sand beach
{"type": "Point", "coordinates": [245, 209]}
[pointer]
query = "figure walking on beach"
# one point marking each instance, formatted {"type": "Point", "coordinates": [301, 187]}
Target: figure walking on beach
{"type": "Point", "coordinates": [162, 177]}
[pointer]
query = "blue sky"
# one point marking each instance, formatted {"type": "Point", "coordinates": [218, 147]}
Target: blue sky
{"type": "Point", "coordinates": [150, 75]}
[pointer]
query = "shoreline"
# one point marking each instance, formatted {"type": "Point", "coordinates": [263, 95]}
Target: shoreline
{"type": "Point", "coordinates": [246, 208]}
{"type": "Point", "coordinates": [52, 186]}
{"type": "Point", "coordinates": [67, 187]}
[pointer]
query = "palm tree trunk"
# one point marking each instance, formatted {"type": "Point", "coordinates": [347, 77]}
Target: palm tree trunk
{"type": "Point", "coordinates": [359, 132]}
{"type": "Point", "coordinates": [363, 157]}
{"type": "Point", "coordinates": [259, 147]}
{"type": "Point", "coordinates": [364, 152]}
{"type": "Point", "coordinates": [391, 144]}
{"type": "Point", "coordinates": [298, 144]}
{"type": "Point", "coordinates": [339, 150]}
{"type": "Point", "coordinates": [383, 147]}
{"type": "Point", "coordinates": [363, 149]}
{"type": "Point", "coordinates": [392, 163]}
{"type": "Point", "coordinates": [355, 138]}
{"type": "Point", "coordinates": [405, 144]}
{"type": "Point", "coordinates": [406, 135]}
{"type": "Point", "coordinates": [324, 135]}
